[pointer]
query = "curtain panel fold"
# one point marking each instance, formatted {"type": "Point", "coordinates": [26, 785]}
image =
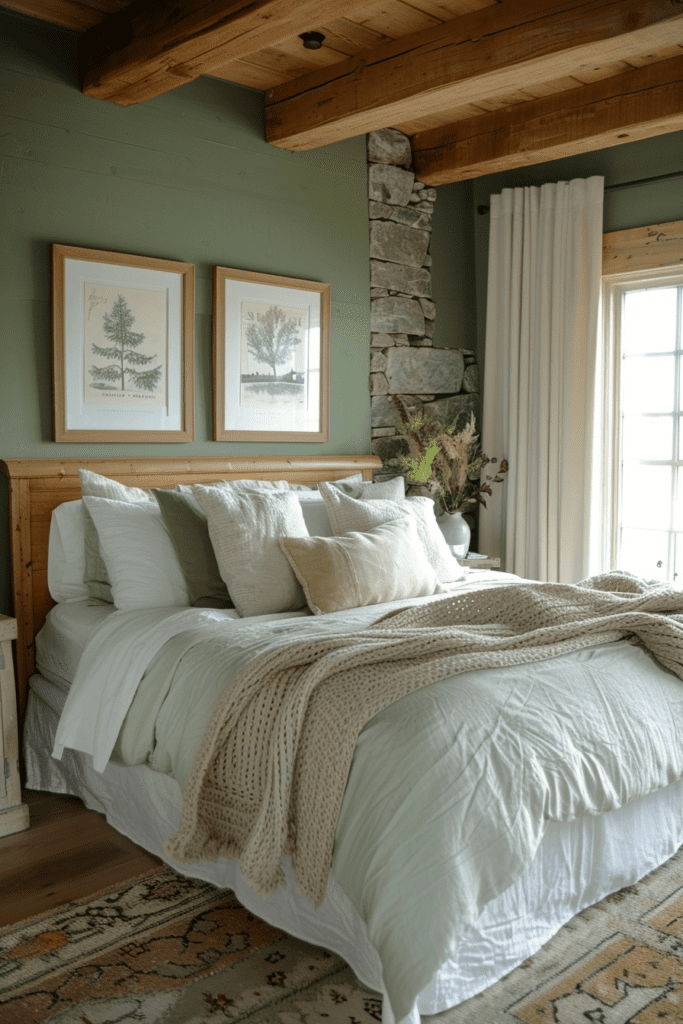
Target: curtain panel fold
{"type": "Point", "coordinates": [545, 265]}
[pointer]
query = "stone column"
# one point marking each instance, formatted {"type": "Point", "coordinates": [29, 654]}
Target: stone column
{"type": "Point", "coordinates": [442, 381]}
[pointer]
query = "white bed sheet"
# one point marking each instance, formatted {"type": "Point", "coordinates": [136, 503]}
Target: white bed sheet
{"type": "Point", "coordinates": [578, 863]}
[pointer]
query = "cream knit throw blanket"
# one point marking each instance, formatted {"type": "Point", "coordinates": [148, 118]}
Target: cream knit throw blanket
{"type": "Point", "coordinates": [270, 774]}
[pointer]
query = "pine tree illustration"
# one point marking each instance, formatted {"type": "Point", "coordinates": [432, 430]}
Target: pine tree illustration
{"type": "Point", "coordinates": [122, 352]}
{"type": "Point", "coordinates": [273, 337]}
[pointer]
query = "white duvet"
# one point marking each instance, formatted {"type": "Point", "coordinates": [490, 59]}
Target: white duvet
{"type": "Point", "coordinates": [441, 780]}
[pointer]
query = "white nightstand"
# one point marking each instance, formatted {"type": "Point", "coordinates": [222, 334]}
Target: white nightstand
{"type": "Point", "coordinates": [13, 814]}
{"type": "Point", "coordinates": [480, 562]}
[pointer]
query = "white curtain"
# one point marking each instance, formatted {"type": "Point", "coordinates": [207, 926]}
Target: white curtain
{"type": "Point", "coordinates": [545, 263]}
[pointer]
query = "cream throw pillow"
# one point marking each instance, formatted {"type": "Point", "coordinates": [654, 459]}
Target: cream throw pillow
{"type": "Point", "coordinates": [347, 514]}
{"type": "Point", "coordinates": [244, 530]}
{"type": "Point", "coordinates": [385, 564]}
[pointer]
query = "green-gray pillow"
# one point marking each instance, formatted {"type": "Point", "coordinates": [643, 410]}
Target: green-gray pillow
{"type": "Point", "coordinates": [189, 532]}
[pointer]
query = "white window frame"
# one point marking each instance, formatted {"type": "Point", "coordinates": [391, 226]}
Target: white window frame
{"type": "Point", "coordinates": [613, 288]}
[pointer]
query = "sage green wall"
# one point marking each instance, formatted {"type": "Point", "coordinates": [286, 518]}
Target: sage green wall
{"type": "Point", "coordinates": [453, 269]}
{"type": "Point", "coordinates": [627, 208]}
{"type": "Point", "coordinates": [186, 176]}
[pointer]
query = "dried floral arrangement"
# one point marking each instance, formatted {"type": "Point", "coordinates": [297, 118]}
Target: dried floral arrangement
{"type": "Point", "coordinates": [446, 461]}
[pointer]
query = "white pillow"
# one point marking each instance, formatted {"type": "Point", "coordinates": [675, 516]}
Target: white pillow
{"type": "Point", "coordinates": [387, 563]}
{"type": "Point", "coordinates": [394, 489]}
{"type": "Point", "coordinates": [315, 513]}
{"type": "Point", "coordinates": [139, 554]}
{"type": "Point", "coordinates": [239, 485]}
{"type": "Point", "coordinates": [315, 510]}
{"type": "Point", "coordinates": [347, 514]}
{"type": "Point", "coordinates": [357, 487]}
{"type": "Point", "coordinates": [96, 486]}
{"type": "Point", "coordinates": [246, 486]}
{"type": "Point", "coordinates": [348, 483]}
{"type": "Point", "coordinates": [66, 553]}
{"type": "Point", "coordinates": [244, 528]}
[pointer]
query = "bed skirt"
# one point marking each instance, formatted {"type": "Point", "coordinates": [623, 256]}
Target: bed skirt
{"type": "Point", "coordinates": [577, 864]}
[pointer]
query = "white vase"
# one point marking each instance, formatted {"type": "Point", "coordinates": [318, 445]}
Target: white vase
{"type": "Point", "coordinates": [456, 532]}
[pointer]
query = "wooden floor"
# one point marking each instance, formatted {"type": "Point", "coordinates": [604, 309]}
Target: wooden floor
{"type": "Point", "coordinates": [68, 853]}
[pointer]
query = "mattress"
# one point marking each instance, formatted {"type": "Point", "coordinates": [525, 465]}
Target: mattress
{"type": "Point", "coordinates": [578, 862]}
{"type": "Point", "coordinates": [63, 638]}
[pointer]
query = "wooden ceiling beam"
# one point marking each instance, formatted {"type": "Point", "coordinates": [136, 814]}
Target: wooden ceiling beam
{"type": "Point", "coordinates": [494, 51]}
{"type": "Point", "coordinates": [153, 46]}
{"type": "Point", "coordinates": [635, 105]}
{"type": "Point", "coordinates": [59, 12]}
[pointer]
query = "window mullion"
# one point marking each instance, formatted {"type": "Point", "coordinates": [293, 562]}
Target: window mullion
{"type": "Point", "coordinates": [676, 469]}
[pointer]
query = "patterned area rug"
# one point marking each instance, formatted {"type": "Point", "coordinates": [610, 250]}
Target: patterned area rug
{"type": "Point", "coordinates": [169, 949]}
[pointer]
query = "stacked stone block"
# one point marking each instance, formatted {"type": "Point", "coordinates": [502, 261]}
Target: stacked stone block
{"type": "Point", "coordinates": [442, 381]}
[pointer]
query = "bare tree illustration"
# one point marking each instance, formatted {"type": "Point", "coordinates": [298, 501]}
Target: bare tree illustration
{"type": "Point", "coordinates": [122, 352]}
{"type": "Point", "coordinates": [271, 339]}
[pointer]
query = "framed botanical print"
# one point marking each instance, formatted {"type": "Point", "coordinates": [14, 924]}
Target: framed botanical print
{"type": "Point", "coordinates": [122, 347]}
{"type": "Point", "coordinates": [271, 357]}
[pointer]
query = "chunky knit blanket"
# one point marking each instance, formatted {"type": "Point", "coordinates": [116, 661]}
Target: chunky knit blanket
{"type": "Point", "coordinates": [270, 774]}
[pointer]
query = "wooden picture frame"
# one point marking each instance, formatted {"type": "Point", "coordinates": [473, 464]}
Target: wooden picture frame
{"type": "Point", "coordinates": [122, 347]}
{"type": "Point", "coordinates": [271, 357]}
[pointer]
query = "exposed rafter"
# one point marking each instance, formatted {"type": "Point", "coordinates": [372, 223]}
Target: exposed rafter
{"type": "Point", "coordinates": [636, 105]}
{"type": "Point", "coordinates": [478, 56]}
{"type": "Point", "coordinates": [479, 85]}
{"type": "Point", "coordinates": [149, 48]}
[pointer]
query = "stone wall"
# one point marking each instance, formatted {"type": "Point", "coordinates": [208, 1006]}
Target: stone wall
{"type": "Point", "coordinates": [442, 381]}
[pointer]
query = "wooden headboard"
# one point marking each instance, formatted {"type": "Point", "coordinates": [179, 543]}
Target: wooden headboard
{"type": "Point", "coordinates": [37, 486]}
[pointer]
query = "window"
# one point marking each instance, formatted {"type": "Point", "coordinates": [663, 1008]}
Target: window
{"type": "Point", "coordinates": [643, 323]}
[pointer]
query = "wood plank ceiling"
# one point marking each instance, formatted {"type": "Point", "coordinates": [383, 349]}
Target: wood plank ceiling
{"type": "Point", "coordinates": [478, 85]}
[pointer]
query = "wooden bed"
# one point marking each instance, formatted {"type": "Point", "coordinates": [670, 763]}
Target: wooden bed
{"type": "Point", "coordinates": [37, 486]}
{"type": "Point", "coordinates": [578, 862]}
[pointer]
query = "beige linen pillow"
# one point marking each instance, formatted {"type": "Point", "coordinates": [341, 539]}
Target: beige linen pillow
{"type": "Point", "coordinates": [347, 514]}
{"type": "Point", "coordinates": [244, 530]}
{"type": "Point", "coordinates": [385, 564]}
